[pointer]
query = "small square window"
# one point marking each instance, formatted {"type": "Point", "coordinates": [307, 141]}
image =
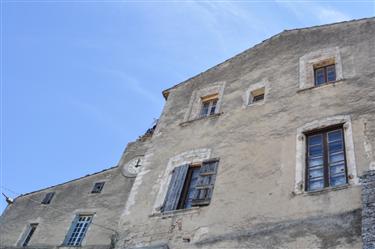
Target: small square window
{"type": "Point", "coordinates": [257, 95]}
{"type": "Point", "coordinates": [48, 198]}
{"type": "Point", "coordinates": [324, 72]}
{"type": "Point", "coordinates": [209, 104]}
{"type": "Point", "coordinates": [98, 187]}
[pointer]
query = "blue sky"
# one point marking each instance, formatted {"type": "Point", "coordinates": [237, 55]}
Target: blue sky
{"type": "Point", "coordinates": [80, 79]}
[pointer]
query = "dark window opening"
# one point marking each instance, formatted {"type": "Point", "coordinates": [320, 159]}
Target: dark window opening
{"type": "Point", "coordinates": [30, 233]}
{"type": "Point", "coordinates": [257, 98]}
{"type": "Point", "coordinates": [98, 187]}
{"type": "Point", "coordinates": [325, 74]}
{"type": "Point", "coordinates": [325, 159]}
{"type": "Point", "coordinates": [48, 198]}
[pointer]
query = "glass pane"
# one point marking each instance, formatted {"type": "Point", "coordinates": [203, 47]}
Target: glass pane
{"type": "Point", "coordinates": [319, 76]}
{"type": "Point", "coordinates": [213, 107]}
{"type": "Point", "coordinates": [315, 140]}
{"type": "Point", "coordinates": [334, 135]}
{"type": "Point", "coordinates": [337, 169]}
{"type": "Point", "coordinates": [336, 157]}
{"type": "Point", "coordinates": [331, 74]}
{"type": "Point", "coordinates": [316, 184]}
{"type": "Point", "coordinates": [316, 150]}
{"type": "Point", "coordinates": [204, 110]}
{"type": "Point", "coordinates": [315, 161]}
{"type": "Point", "coordinates": [316, 173]}
{"type": "Point", "coordinates": [335, 146]}
{"type": "Point", "coordinates": [338, 180]}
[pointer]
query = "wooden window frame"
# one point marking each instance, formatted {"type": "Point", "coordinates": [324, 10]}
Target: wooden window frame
{"type": "Point", "coordinates": [210, 100]}
{"type": "Point", "coordinates": [324, 67]}
{"type": "Point", "coordinates": [187, 182]}
{"type": "Point", "coordinates": [324, 132]}
{"type": "Point", "coordinates": [258, 95]}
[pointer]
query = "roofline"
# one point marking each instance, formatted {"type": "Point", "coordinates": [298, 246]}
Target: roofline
{"type": "Point", "coordinates": [167, 91]}
{"type": "Point", "coordinates": [60, 184]}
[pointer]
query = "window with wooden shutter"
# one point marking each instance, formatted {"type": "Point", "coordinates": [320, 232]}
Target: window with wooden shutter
{"type": "Point", "coordinates": [205, 183]}
{"type": "Point", "coordinates": [175, 188]}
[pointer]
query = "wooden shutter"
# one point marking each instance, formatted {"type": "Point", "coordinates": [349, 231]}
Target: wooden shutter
{"type": "Point", "coordinates": [175, 188]}
{"type": "Point", "coordinates": [205, 183]}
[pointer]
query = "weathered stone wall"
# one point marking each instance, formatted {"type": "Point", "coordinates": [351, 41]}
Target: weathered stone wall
{"type": "Point", "coordinates": [72, 198]}
{"type": "Point", "coordinates": [254, 203]}
{"type": "Point", "coordinates": [368, 210]}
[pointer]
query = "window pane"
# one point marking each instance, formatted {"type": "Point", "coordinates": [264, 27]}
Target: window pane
{"type": "Point", "coordinates": [319, 76]}
{"type": "Point", "coordinates": [204, 110]}
{"type": "Point", "coordinates": [335, 146]}
{"type": "Point", "coordinates": [316, 150]}
{"type": "Point", "coordinates": [337, 157]}
{"type": "Point", "coordinates": [331, 74]}
{"type": "Point", "coordinates": [338, 180]}
{"type": "Point", "coordinates": [191, 191]}
{"type": "Point", "coordinates": [213, 107]}
{"type": "Point", "coordinates": [315, 140]}
{"type": "Point", "coordinates": [316, 184]}
{"type": "Point", "coordinates": [337, 169]}
{"type": "Point", "coordinates": [334, 135]}
{"type": "Point", "coordinates": [314, 173]}
{"type": "Point", "coordinates": [315, 161]}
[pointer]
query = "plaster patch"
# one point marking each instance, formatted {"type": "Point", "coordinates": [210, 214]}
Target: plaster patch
{"type": "Point", "coordinates": [131, 199]}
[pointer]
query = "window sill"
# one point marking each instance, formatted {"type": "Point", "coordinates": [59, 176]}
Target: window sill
{"type": "Point", "coordinates": [256, 104]}
{"type": "Point", "coordinates": [177, 212]}
{"type": "Point", "coordinates": [333, 83]}
{"type": "Point", "coordinates": [326, 190]}
{"type": "Point", "coordinates": [185, 123]}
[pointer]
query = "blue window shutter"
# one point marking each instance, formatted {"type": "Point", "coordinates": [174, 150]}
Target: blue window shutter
{"type": "Point", "coordinates": [205, 183]}
{"type": "Point", "coordinates": [175, 188]}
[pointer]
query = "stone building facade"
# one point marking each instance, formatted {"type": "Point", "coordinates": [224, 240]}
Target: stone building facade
{"type": "Point", "coordinates": [269, 149]}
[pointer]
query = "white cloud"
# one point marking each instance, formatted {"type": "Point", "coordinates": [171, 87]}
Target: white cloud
{"type": "Point", "coordinates": [324, 14]}
{"type": "Point", "coordinates": [327, 15]}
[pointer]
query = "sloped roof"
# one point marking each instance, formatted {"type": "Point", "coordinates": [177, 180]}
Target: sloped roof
{"type": "Point", "coordinates": [258, 45]}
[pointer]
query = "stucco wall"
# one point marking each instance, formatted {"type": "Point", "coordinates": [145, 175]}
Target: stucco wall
{"type": "Point", "coordinates": [254, 204]}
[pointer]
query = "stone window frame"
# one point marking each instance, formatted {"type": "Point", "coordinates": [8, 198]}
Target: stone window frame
{"type": "Point", "coordinates": [252, 88]}
{"type": "Point", "coordinates": [194, 108]}
{"type": "Point", "coordinates": [309, 61]}
{"type": "Point", "coordinates": [300, 170]}
{"type": "Point", "coordinates": [195, 156]}
{"type": "Point", "coordinates": [26, 232]}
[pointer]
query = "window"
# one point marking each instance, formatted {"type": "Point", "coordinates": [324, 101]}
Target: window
{"type": "Point", "coordinates": [325, 74]}
{"type": "Point", "coordinates": [48, 198]}
{"type": "Point", "coordinates": [98, 187]}
{"type": "Point", "coordinates": [257, 95]}
{"type": "Point", "coordinates": [78, 230]}
{"type": "Point", "coordinates": [325, 159]}
{"type": "Point", "coordinates": [209, 104]}
{"type": "Point", "coordinates": [191, 185]}
{"type": "Point", "coordinates": [29, 233]}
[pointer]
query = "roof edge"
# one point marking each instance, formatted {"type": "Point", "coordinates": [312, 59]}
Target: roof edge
{"type": "Point", "coordinates": [60, 184]}
{"type": "Point", "coordinates": [167, 91]}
